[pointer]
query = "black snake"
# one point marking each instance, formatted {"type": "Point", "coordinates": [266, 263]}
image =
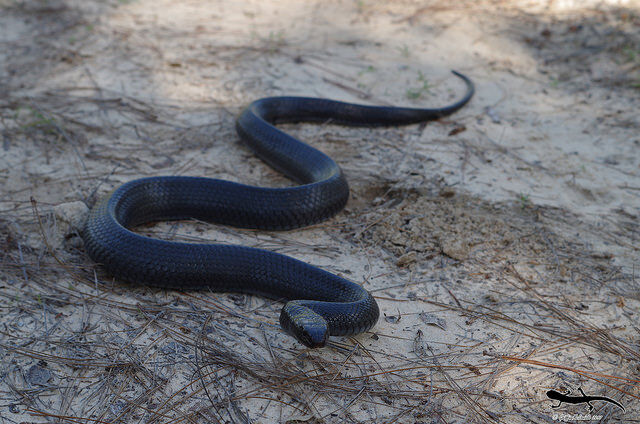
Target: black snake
{"type": "Point", "coordinates": [319, 303]}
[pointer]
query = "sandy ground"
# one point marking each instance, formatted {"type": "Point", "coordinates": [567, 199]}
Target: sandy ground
{"type": "Point", "coordinates": [502, 243]}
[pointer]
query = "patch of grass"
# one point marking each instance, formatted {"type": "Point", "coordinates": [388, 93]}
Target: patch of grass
{"type": "Point", "coordinates": [524, 200]}
{"type": "Point", "coordinates": [417, 92]}
{"type": "Point", "coordinates": [366, 70]}
{"type": "Point", "coordinates": [36, 120]}
{"type": "Point", "coordinates": [404, 50]}
{"type": "Point", "coordinates": [274, 41]}
{"type": "Point", "coordinates": [276, 37]}
{"type": "Point", "coordinates": [631, 53]}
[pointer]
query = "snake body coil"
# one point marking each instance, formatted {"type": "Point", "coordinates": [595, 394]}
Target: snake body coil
{"type": "Point", "coordinates": [319, 303]}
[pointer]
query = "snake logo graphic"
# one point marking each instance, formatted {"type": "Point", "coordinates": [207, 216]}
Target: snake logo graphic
{"type": "Point", "coordinates": [565, 398]}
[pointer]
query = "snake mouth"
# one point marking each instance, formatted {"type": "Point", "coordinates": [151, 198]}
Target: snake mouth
{"type": "Point", "coordinates": [307, 326]}
{"type": "Point", "coordinates": [312, 340]}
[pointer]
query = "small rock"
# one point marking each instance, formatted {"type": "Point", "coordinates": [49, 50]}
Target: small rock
{"type": "Point", "coordinates": [73, 214]}
{"type": "Point", "coordinates": [455, 249]}
{"type": "Point", "coordinates": [495, 118]}
{"type": "Point", "coordinates": [36, 375]}
{"type": "Point", "coordinates": [447, 192]}
{"type": "Point", "coordinates": [407, 259]}
{"type": "Point", "coordinates": [70, 218]}
{"type": "Point", "coordinates": [431, 319]}
{"type": "Point", "coordinates": [393, 319]}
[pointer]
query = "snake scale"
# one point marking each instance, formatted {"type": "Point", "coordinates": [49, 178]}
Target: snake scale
{"type": "Point", "coordinates": [319, 304]}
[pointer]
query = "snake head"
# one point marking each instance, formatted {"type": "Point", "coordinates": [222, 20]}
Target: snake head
{"type": "Point", "coordinates": [307, 326]}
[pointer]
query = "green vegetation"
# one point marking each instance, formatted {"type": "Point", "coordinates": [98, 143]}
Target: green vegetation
{"type": "Point", "coordinates": [404, 50]}
{"type": "Point", "coordinates": [423, 88]}
{"type": "Point", "coordinates": [37, 120]}
{"type": "Point", "coordinates": [524, 200]}
{"type": "Point", "coordinates": [366, 70]}
{"type": "Point", "coordinates": [631, 54]}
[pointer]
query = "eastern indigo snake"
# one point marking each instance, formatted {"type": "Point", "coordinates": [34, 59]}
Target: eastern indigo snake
{"type": "Point", "coordinates": [319, 303]}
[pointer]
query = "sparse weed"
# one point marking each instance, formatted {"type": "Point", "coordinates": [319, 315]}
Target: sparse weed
{"type": "Point", "coordinates": [419, 91]}
{"type": "Point", "coordinates": [524, 200]}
